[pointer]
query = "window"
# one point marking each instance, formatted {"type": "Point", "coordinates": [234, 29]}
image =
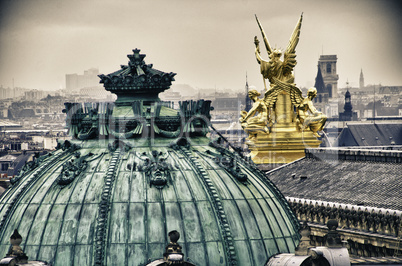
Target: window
{"type": "Point", "coordinates": [329, 70]}
{"type": "Point", "coordinates": [4, 166]}
{"type": "Point", "coordinates": [329, 90]}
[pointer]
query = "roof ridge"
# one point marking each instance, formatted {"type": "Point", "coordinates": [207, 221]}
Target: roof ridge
{"type": "Point", "coordinates": [285, 165]}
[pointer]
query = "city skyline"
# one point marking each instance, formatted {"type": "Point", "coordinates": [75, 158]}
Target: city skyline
{"type": "Point", "coordinates": [208, 44]}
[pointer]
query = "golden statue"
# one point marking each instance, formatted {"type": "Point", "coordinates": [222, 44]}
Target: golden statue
{"type": "Point", "coordinates": [316, 120]}
{"type": "Point", "coordinates": [253, 124]}
{"type": "Point", "coordinates": [281, 70]}
{"type": "Point", "coordinates": [283, 122]}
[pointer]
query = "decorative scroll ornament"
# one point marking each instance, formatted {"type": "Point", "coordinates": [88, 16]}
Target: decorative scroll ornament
{"type": "Point", "coordinates": [229, 164]}
{"type": "Point", "coordinates": [73, 168]}
{"type": "Point", "coordinates": [29, 166]}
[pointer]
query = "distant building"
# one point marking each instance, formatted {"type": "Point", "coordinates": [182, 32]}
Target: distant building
{"type": "Point", "coordinates": [7, 93]}
{"type": "Point", "coordinates": [390, 90]}
{"type": "Point", "coordinates": [248, 101]}
{"type": "Point", "coordinates": [228, 103]}
{"type": "Point", "coordinates": [371, 135]}
{"type": "Point", "coordinates": [322, 92]}
{"type": "Point", "coordinates": [5, 162]}
{"type": "Point", "coordinates": [361, 80]}
{"type": "Point", "coordinates": [89, 79]}
{"type": "Point", "coordinates": [348, 114]}
{"type": "Point", "coordinates": [327, 64]}
{"type": "Point", "coordinates": [33, 95]}
{"type": "Point", "coordinates": [327, 86]}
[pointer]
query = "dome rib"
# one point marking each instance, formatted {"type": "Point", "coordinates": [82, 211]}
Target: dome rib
{"type": "Point", "coordinates": [103, 209]}
{"type": "Point", "coordinates": [241, 186]}
{"type": "Point", "coordinates": [203, 239]}
{"type": "Point", "coordinates": [217, 205]}
{"type": "Point", "coordinates": [37, 209]}
{"type": "Point", "coordinates": [51, 203]}
{"type": "Point", "coordinates": [238, 184]}
{"type": "Point", "coordinates": [16, 195]}
{"type": "Point", "coordinates": [275, 191]}
{"type": "Point", "coordinates": [275, 217]}
{"type": "Point", "coordinates": [130, 183]}
{"type": "Point", "coordinates": [81, 212]}
{"type": "Point", "coordinates": [196, 205]}
{"type": "Point", "coordinates": [243, 223]}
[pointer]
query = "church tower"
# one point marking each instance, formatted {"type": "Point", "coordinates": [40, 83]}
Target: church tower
{"type": "Point", "coordinates": [348, 114]}
{"type": "Point", "coordinates": [361, 81]}
{"type": "Point", "coordinates": [348, 104]}
{"type": "Point", "coordinates": [327, 65]}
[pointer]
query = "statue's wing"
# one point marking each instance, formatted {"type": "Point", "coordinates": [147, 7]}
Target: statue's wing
{"type": "Point", "coordinates": [270, 97]}
{"type": "Point", "coordinates": [294, 92]}
{"type": "Point", "coordinates": [269, 49]}
{"type": "Point", "coordinates": [290, 53]}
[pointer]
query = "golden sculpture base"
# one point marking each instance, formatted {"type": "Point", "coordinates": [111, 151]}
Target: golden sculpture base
{"type": "Point", "coordinates": [283, 145]}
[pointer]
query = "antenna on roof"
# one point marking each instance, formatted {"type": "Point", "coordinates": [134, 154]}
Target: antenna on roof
{"type": "Point", "coordinates": [374, 106]}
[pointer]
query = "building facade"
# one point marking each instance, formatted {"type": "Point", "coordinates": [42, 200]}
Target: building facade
{"type": "Point", "coordinates": [88, 79]}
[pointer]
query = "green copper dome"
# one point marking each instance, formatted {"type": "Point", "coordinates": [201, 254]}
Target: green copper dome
{"type": "Point", "coordinates": [134, 172]}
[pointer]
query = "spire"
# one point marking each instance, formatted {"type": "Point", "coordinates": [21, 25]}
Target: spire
{"type": "Point", "coordinates": [319, 82]}
{"type": "Point", "coordinates": [361, 83]}
{"type": "Point", "coordinates": [248, 100]}
{"type": "Point", "coordinates": [348, 103]}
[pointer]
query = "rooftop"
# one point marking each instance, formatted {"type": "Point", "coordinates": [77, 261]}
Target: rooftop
{"type": "Point", "coordinates": [370, 134]}
{"type": "Point", "coordinates": [370, 178]}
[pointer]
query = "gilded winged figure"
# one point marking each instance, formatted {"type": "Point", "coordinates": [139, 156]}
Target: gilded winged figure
{"type": "Point", "coordinates": [279, 73]}
{"type": "Point", "coordinates": [281, 70]}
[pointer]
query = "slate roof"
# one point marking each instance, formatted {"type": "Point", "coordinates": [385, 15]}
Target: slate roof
{"type": "Point", "coordinates": [19, 163]}
{"type": "Point", "coordinates": [371, 135]}
{"type": "Point", "coordinates": [8, 158]}
{"type": "Point", "coordinates": [359, 177]}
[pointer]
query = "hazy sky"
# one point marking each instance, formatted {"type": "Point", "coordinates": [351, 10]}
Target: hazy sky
{"type": "Point", "coordinates": [207, 43]}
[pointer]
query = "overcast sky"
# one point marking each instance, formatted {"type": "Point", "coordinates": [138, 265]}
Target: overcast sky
{"type": "Point", "coordinates": [207, 43]}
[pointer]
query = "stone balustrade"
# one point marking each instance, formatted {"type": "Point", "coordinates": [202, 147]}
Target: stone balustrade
{"type": "Point", "coordinates": [362, 218]}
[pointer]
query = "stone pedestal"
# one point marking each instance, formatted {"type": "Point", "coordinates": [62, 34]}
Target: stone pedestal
{"type": "Point", "coordinates": [284, 144]}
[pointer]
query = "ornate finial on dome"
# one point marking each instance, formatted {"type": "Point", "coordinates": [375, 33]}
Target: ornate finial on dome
{"type": "Point", "coordinates": [137, 80]}
{"type": "Point", "coordinates": [136, 59]}
{"type": "Point", "coordinates": [16, 251]}
{"type": "Point", "coordinates": [173, 254]}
